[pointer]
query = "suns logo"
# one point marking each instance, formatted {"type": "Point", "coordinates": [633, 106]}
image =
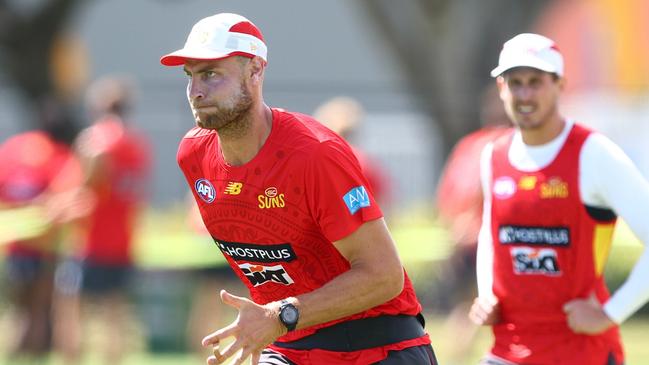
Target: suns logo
{"type": "Point", "coordinates": [205, 190]}
{"type": "Point", "coordinates": [271, 199]}
{"type": "Point", "coordinates": [554, 188]}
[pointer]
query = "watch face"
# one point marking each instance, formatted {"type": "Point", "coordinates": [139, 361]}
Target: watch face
{"type": "Point", "coordinates": [289, 314]}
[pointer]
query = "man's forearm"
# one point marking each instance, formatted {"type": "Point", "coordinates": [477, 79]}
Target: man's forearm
{"type": "Point", "coordinates": [352, 292]}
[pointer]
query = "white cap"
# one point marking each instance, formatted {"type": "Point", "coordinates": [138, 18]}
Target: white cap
{"type": "Point", "coordinates": [219, 36]}
{"type": "Point", "coordinates": [530, 50]}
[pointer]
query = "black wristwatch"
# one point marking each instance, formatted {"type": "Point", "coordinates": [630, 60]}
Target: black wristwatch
{"type": "Point", "coordinates": [288, 315]}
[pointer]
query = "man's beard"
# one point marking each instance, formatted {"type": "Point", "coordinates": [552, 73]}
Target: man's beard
{"type": "Point", "coordinates": [229, 117]}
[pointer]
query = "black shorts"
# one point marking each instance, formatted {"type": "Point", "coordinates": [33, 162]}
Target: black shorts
{"type": "Point", "coordinates": [27, 279]}
{"type": "Point", "coordinates": [24, 270]}
{"type": "Point", "coordinates": [371, 332]}
{"type": "Point", "coordinates": [92, 278]}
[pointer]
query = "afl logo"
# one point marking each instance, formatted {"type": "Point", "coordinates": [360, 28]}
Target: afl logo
{"type": "Point", "coordinates": [205, 190]}
{"type": "Point", "coordinates": [504, 187]}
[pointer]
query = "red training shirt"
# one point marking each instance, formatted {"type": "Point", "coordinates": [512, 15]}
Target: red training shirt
{"type": "Point", "coordinates": [276, 217]}
{"type": "Point", "coordinates": [119, 193]}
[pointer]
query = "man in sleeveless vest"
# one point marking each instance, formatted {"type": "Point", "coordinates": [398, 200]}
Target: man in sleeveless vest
{"type": "Point", "coordinates": [286, 203]}
{"type": "Point", "coordinates": [553, 190]}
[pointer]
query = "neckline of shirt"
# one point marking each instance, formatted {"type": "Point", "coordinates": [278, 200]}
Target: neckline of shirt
{"type": "Point", "coordinates": [534, 158]}
{"type": "Point", "coordinates": [273, 128]}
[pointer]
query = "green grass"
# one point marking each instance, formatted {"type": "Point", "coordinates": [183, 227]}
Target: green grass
{"type": "Point", "coordinates": [166, 242]}
{"type": "Point", "coordinates": [445, 341]}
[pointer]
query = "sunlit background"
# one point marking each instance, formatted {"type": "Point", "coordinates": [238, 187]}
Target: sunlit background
{"type": "Point", "coordinates": [420, 71]}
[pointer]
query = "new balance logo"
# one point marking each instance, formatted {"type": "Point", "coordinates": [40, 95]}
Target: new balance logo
{"type": "Point", "coordinates": [233, 188]}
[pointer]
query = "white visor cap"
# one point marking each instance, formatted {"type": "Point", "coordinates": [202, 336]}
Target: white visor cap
{"type": "Point", "coordinates": [219, 36]}
{"type": "Point", "coordinates": [530, 50]}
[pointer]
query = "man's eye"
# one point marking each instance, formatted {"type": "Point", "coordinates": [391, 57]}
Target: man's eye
{"type": "Point", "coordinates": [210, 73]}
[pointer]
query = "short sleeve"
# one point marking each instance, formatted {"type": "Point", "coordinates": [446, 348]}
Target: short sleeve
{"type": "Point", "coordinates": [339, 196]}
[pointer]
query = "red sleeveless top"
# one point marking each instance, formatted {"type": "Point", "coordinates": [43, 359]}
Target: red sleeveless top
{"type": "Point", "coordinates": [549, 248]}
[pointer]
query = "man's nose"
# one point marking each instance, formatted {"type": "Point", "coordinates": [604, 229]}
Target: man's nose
{"type": "Point", "coordinates": [194, 90]}
{"type": "Point", "coordinates": [524, 93]}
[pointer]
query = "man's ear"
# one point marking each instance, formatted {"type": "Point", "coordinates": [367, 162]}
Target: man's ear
{"type": "Point", "coordinates": [500, 83]}
{"type": "Point", "coordinates": [257, 66]}
{"type": "Point", "coordinates": [562, 83]}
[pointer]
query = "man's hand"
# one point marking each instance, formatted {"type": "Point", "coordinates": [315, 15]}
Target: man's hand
{"type": "Point", "coordinates": [485, 311]}
{"type": "Point", "coordinates": [587, 316]}
{"type": "Point", "coordinates": [255, 328]}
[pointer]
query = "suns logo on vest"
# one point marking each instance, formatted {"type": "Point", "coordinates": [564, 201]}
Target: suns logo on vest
{"type": "Point", "coordinates": [205, 190]}
{"type": "Point", "coordinates": [270, 199]}
{"type": "Point", "coordinates": [554, 188]}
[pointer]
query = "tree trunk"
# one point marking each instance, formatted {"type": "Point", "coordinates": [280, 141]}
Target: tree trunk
{"type": "Point", "coordinates": [447, 49]}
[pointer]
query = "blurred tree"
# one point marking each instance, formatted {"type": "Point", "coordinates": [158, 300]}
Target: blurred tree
{"type": "Point", "coordinates": [29, 33]}
{"type": "Point", "coordinates": [447, 49]}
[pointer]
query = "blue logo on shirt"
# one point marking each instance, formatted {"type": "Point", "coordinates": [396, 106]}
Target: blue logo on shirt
{"type": "Point", "coordinates": [356, 199]}
{"type": "Point", "coordinates": [205, 190]}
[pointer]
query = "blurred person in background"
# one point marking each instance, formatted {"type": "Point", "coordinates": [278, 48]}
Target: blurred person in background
{"type": "Point", "coordinates": [116, 161]}
{"type": "Point", "coordinates": [553, 190]}
{"type": "Point", "coordinates": [344, 116]}
{"type": "Point", "coordinates": [36, 167]}
{"type": "Point", "coordinates": [459, 207]}
{"type": "Point", "coordinates": [286, 202]}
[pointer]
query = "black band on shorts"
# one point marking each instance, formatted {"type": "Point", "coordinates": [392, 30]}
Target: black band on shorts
{"type": "Point", "coordinates": [361, 334]}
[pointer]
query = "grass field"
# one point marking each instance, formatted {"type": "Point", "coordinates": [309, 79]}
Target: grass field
{"type": "Point", "coordinates": [165, 243]}
{"type": "Point", "coordinates": [635, 336]}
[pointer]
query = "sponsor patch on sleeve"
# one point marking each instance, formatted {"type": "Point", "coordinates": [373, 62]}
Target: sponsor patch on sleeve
{"type": "Point", "coordinates": [356, 199]}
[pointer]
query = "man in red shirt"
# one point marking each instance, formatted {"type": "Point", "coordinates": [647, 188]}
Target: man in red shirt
{"type": "Point", "coordinates": [116, 162]}
{"type": "Point", "coordinates": [286, 203]}
{"type": "Point", "coordinates": [459, 208]}
{"type": "Point", "coordinates": [553, 189]}
{"type": "Point", "coordinates": [36, 168]}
